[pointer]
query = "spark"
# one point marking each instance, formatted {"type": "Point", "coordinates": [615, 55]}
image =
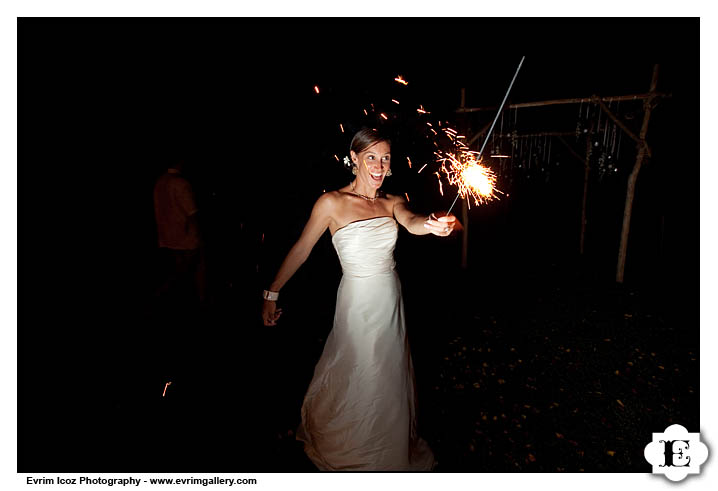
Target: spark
{"type": "Point", "coordinates": [421, 110]}
{"type": "Point", "coordinates": [422, 168]}
{"type": "Point", "coordinates": [401, 80]}
{"type": "Point", "coordinates": [165, 391]}
{"type": "Point", "coordinates": [335, 156]}
{"type": "Point", "coordinates": [342, 127]}
{"type": "Point", "coordinates": [409, 160]}
{"type": "Point", "coordinates": [383, 116]}
{"type": "Point", "coordinates": [395, 101]}
{"type": "Point", "coordinates": [366, 113]}
{"type": "Point", "coordinates": [316, 89]}
{"type": "Point", "coordinates": [464, 170]}
{"type": "Point", "coordinates": [441, 188]}
{"type": "Point", "coordinates": [407, 197]}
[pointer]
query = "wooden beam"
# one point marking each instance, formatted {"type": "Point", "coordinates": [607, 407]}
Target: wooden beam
{"type": "Point", "coordinates": [545, 133]}
{"type": "Point", "coordinates": [633, 176]}
{"type": "Point", "coordinates": [621, 125]}
{"type": "Point", "coordinates": [578, 100]}
{"type": "Point", "coordinates": [573, 152]}
{"type": "Point", "coordinates": [478, 135]}
{"type": "Point", "coordinates": [586, 173]}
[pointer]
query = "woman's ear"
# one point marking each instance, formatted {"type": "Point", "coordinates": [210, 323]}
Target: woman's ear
{"type": "Point", "coordinates": [353, 156]}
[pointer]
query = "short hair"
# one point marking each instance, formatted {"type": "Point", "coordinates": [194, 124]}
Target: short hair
{"type": "Point", "coordinates": [365, 138]}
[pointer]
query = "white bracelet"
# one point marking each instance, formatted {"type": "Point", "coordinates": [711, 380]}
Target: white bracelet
{"type": "Point", "coordinates": [273, 296]}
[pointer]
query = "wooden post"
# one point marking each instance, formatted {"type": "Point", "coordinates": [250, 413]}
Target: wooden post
{"type": "Point", "coordinates": [464, 213]}
{"type": "Point", "coordinates": [631, 188]}
{"type": "Point", "coordinates": [586, 173]}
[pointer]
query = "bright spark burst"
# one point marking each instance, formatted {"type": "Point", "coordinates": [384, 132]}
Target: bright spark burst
{"type": "Point", "coordinates": [401, 80]}
{"type": "Point", "coordinates": [464, 170]}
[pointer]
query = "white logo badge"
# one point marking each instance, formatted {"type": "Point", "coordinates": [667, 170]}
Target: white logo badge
{"type": "Point", "coordinates": [676, 453]}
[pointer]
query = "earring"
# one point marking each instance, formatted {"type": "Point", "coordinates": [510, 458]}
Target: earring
{"type": "Point", "coordinates": [388, 173]}
{"type": "Point", "coordinates": [354, 170]}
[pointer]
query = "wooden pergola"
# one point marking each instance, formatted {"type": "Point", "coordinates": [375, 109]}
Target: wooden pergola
{"type": "Point", "coordinates": [649, 99]}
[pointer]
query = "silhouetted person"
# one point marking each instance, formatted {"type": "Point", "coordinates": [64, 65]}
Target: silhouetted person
{"type": "Point", "coordinates": [178, 235]}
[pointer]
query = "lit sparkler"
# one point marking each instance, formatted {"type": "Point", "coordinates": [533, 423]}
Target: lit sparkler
{"type": "Point", "coordinates": [465, 170]}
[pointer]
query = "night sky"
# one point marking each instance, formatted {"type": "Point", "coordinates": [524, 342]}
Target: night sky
{"type": "Point", "coordinates": [105, 105]}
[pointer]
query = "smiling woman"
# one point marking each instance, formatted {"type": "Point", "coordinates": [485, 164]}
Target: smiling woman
{"type": "Point", "coordinates": [359, 412]}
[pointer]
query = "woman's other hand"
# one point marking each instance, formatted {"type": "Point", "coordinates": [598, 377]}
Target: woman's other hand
{"type": "Point", "coordinates": [270, 313]}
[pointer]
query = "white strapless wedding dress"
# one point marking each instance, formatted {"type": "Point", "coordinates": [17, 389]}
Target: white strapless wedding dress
{"type": "Point", "coordinates": [359, 413]}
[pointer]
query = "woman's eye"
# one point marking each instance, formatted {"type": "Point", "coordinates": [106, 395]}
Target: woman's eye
{"type": "Point", "coordinates": [370, 157]}
{"type": "Point", "coordinates": [386, 159]}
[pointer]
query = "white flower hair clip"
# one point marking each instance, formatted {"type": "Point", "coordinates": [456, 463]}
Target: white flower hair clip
{"type": "Point", "coordinates": [348, 162]}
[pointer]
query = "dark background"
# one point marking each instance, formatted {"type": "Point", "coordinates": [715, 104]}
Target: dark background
{"type": "Point", "coordinates": [104, 105]}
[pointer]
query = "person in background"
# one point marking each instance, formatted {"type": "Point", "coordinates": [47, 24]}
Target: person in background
{"type": "Point", "coordinates": [178, 236]}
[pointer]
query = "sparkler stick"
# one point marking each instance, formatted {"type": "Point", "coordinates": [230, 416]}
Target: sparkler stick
{"type": "Point", "coordinates": [492, 126]}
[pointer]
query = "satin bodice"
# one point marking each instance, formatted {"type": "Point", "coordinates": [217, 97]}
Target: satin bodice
{"type": "Point", "coordinates": [366, 247]}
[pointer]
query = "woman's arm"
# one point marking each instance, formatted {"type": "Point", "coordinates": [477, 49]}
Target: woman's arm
{"type": "Point", "coordinates": [423, 224]}
{"type": "Point", "coordinates": [313, 230]}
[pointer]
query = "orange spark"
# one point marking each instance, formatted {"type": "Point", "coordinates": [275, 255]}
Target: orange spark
{"type": "Point", "coordinates": [408, 159]}
{"type": "Point", "coordinates": [335, 156]}
{"type": "Point", "coordinates": [401, 80]}
{"type": "Point", "coordinates": [383, 116]}
{"type": "Point", "coordinates": [366, 113]}
{"type": "Point", "coordinates": [407, 197]}
{"type": "Point", "coordinates": [441, 188]}
{"type": "Point", "coordinates": [471, 177]}
{"type": "Point", "coordinates": [341, 127]}
{"type": "Point", "coordinates": [395, 101]}
{"type": "Point", "coordinates": [316, 89]}
{"type": "Point", "coordinates": [422, 168]}
{"type": "Point", "coordinates": [421, 110]}
{"type": "Point", "coordinates": [165, 391]}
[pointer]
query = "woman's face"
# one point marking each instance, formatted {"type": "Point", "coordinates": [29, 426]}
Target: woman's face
{"type": "Point", "coordinates": [373, 163]}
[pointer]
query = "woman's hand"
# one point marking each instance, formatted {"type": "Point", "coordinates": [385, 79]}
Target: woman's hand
{"type": "Point", "coordinates": [442, 225]}
{"type": "Point", "coordinates": [270, 313]}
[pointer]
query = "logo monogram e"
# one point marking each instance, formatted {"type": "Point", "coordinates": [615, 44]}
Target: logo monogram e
{"type": "Point", "coordinates": [676, 453]}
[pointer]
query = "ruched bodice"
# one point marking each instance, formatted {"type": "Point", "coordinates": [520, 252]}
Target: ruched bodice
{"type": "Point", "coordinates": [366, 247]}
{"type": "Point", "coordinates": [359, 412]}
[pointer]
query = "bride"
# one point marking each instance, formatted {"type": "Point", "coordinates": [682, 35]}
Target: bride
{"type": "Point", "coordinates": [359, 412]}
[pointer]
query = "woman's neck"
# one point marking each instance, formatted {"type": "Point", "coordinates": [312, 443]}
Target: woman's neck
{"type": "Point", "coordinates": [366, 191]}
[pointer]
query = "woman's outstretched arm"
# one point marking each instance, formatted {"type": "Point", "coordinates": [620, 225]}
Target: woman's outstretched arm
{"type": "Point", "coordinates": [424, 224]}
{"type": "Point", "coordinates": [313, 230]}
